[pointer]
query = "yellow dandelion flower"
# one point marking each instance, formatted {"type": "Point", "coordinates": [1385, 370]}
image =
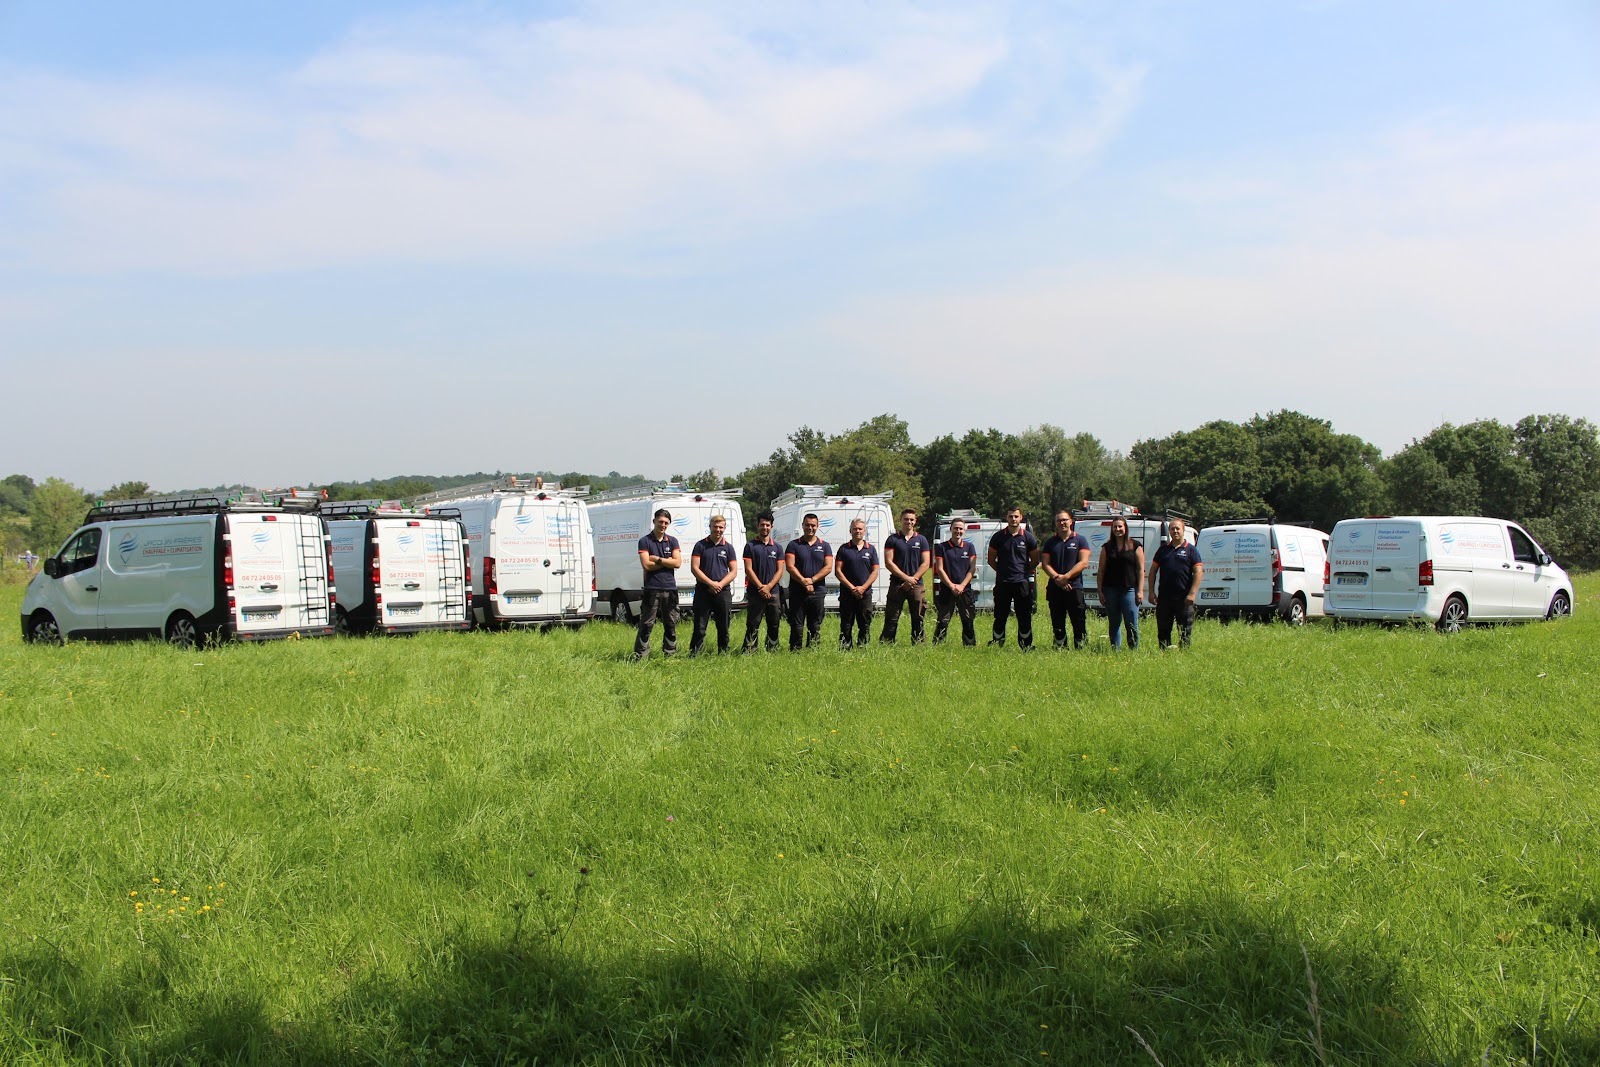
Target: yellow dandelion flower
{"type": "Point", "coordinates": [1402, 803]}
{"type": "Point", "coordinates": [133, 892]}
{"type": "Point", "coordinates": [186, 900]}
{"type": "Point", "coordinates": [780, 855]}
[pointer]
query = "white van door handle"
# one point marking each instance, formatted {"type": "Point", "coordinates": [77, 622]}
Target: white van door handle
{"type": "Point", "coordinates": [268, 587]}
{"type": "Point", "coordinates": [1507, 566]}
{"type": "Point", "coordinates": [413, 585]}
{"type": "Point", "coordinates": [91, 589]}
{"type": "Point", "coordinates": [1384, 570]}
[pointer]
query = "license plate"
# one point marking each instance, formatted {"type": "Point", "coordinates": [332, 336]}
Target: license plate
{"type": "Point", "coordinates": [526, 599]}
{"type": "Point", "coordinates": [686, 595]}
{"type": "Point", "coordinates": [1349, 579]}
{"type": "Point", "coordinates": [260, 616]}
{"type": "Point", "coordinates": [405, 611]}
{"type": "Point", "coordinates": [1213, 594]}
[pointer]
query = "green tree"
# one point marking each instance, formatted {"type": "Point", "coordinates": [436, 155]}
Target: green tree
{"type": "Point", "coordinates": [1312, 474]}
{"type": "Point", "coordinates": [1466, 470]}
{"type": "Point", "coordinates": [1211, 473]}
{"type": "Point", "coordinates": [58, 508]}
{"type": "Point", "coordinates": [1564, 507]}
{"type": "Point", "coordinates": [127, 491]}
{"type": "Point", "coordinates": [16, 491]}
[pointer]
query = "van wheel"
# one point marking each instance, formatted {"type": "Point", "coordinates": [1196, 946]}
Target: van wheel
{"type": "Point", "coordinates": [1296, 615]}
{"type": "Point", "coordinates": [620, 612]}
{"type": "Point", "coordinates": [341, 622]}
{"type": "Point", "coordinates": [1560, 607]}
{"type": "Point", "coordinates": [183, 632]}
{"type": "Point", "coordinates": [42, 629]}
{"type": "Point", "coordinates": [1454, 616]}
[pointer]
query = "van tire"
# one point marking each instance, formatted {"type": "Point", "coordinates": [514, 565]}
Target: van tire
{"type": "Point", "coordinates": [1560, 607]}
{"type": "Point", "coordinates": [341, 622]}
{"type": "Point", "coordinates": [1454, 615]}
{"type": "Point", "coordinates": [620, 612]}
{"type": "Point", "coordinates": [183, 632]}
{"type": "Point", "coordinates": [43, 629]}
{"type": "Point", "coordinates": [1296, 614]}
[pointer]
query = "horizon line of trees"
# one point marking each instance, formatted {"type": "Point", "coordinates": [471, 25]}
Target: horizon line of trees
{"type": "Point", "coordinates": [1542, 471]}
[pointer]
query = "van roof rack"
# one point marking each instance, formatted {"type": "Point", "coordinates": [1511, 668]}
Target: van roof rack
{"type": "Point", "coordinates": [351, 509]}
{"type": "Point", "coordinates": [192, 504]}
{"type": "Point", "coordinates": [1255, 520]}
{"type": "Point", "coordinates": [650, 490]}
{"type": "Point", "coordinates": [820, 493]}
{"type": "Point", "coordinates": [528, 485]}
{"type": "Point", "coordinates": [1105, 507]}
{"type": "Point", "coordinates": [965, 515]}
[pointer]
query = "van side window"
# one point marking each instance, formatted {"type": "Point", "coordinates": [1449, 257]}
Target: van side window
{"type": "Point", "coordinates": [81, 552]}
{"type": "Point", "coordinates": [1521, 547]}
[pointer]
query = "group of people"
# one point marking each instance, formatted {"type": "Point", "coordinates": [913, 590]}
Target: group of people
{"type": "Point", "coordinates": [1014, 553]}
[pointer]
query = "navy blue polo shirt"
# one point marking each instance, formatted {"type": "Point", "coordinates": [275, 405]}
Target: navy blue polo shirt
{"type": "Point", "coordinates": [856, 563]}
{"type": "Point", "coordinates": [808, 559]}
{"type": "Point", "coordinates": [763, 561]}
{"type": "Point", "coordinates": [660, 550]}
{"type": "Point", "coordinates": [957, 559]}
{"type": "Point", "coordinates": [716, 560]}
{"type": "Point", "coordinates": [906, 551]}
{"type": "Point", "coordinates": [1011, 554]}
{"type": "Point", "coordinates": [1063, 554]}
{"type": "Point", "coordinates": [1176, 568]}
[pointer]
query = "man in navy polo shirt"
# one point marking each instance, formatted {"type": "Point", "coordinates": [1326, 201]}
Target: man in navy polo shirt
{"type": "Point", "coordinates": [660, 555]}
{"type": "Point", "coordinates": [1179, 565]}
{"type": "Point", "coordinates": [809, 561]}
{"type": "Point", "coordinates": [763, 593]}
{"type": "Point", "coordinates": [857, 561]}
{"type": "Point", "coordinates": [955, 562]}
{"type": "Point", "coordinates": [715, 567]}
{"type": "Point", "coordinates": [1064, 557]}
{"type": "Point", "coordinates": [1013, 553]}
{"type": "Point", "coordinates": [907, 554]}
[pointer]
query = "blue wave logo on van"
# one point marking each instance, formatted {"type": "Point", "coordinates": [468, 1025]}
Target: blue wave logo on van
{"type": "Point", "coordinates": [126, 546]}
{"type": "Point", "coordinates": [262, 540]}
{"type": "Point", "coordinates": [681, 524]}
{"type": "Point", "coordinates": [522, 522]}
{"type": "Point", "coordinates": [1447, 537]}
{"type": "Point", "coordinates": [405, 540]}
{"type": "Point", "coordinates": [1353, 534]}
{"type": "Point", "coordinates": [826, 523]}
{"type": "Point", "coordinates": [1216, 546]}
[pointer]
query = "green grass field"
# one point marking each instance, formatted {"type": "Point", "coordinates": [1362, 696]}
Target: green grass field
{"type": "Point", "coordinates": [521, 848]}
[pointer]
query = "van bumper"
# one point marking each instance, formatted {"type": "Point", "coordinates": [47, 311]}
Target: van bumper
{"type": "Point", "coordinates": [231, 634]}
{"type": "Point", "coordinates": [422, 627]}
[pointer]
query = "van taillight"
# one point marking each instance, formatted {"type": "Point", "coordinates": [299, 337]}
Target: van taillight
{"type": "Point", "coordinates": [1425, 572]}
{"type": "Point", "coordinates": [1277, 566]}
{"type": "Point", "coordinates": [490, 586]}
{"type": "Point", "coordinates": [466, 561]}
{"type": "Point", "coordinates": [594, 577]}
{"type": "Point", "coordinates": [1327, 571]}
{"type": "Point", "coordinates": [227, 565]}
{"type": "Point", "coordinates": [327, 551]}
{"type": "Point", "coordinates": [377, 577]}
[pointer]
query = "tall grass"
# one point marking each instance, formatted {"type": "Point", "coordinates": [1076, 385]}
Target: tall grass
{"type": "Point", "coordinates": [520, 848]}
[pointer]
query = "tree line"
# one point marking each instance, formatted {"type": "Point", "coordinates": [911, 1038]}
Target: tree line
{"type": "Point", "coordinates": [1543, 472]}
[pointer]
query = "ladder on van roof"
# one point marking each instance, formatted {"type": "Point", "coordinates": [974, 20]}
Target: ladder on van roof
{"type": "Point", "coordinates": [314, 566]}
{"type": "Point", "coordinates": [511, 483]}
{"type": "Point", "coordinates": [649, 490]}
{"type": "Point", "coordinates": [819, 493]}
{"type": "Point", "coordinates": [1104, 509]}
{"type": "Point", "coordinates": [190, 504]}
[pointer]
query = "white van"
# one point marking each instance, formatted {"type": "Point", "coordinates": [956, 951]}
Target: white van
{"type": "Point", "coordinates": [190, 568]}
{"type": "Point", "coordinates": [1261, 568]}
{"type": "Point", "coordinates": [1444, 569]}
{"type": "Point", "coordinates": [1093, 521]}
{"type": "Point", "coordinates": [979, 529]}
{"type": "Point", "coordinates": [834, 514]}
{"type": "Point", "coordinates": [622, 516]}
{"type": "Point", "coordinates": [401, 571]}
{"type": "Point", "coordinates": [532, 550]}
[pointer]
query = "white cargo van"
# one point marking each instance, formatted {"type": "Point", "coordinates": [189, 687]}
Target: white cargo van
{"type": "Point", "coordinates": [622, 516]}
{"type": "Point", "coordinates": [834, 514]}
{"type": "Point", "coordinates": [979, 529]}
{"type": "Point", "coordinates": [1446, 569]}
{"type": "Point", "coordinates": [401, 571]}
{"type": "Point", "coordinates": [1093, 521]}
{"type": "Point", "coordinates": [532, 550]}
{"type": "Point", "coordinates": [1261, 568]}
{"type": "Point", "coordinates": [190, 568]}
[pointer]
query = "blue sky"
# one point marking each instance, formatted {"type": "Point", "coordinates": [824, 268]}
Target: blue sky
{"type": "Point", "coordinates": [289, 243]}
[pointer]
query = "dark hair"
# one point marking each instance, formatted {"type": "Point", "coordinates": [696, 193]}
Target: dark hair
{"type": "Point", "coordinates": [765, 514]}
{"type": "Point", "coordinates": [1015, 508]}
{"type": "Point", "coordinates": [662, 511]}
{"type": "Point", "coordinates": [809, 515]}
{"type": "Point", "coordinates": [908, 511]}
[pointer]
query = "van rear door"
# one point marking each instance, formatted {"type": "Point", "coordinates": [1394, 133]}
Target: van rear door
{"type": "Point", "coordinates": [408, 565]}
{"type": "Point", "coordinates": [280, 572]}
{"type": "Point", "coordinates": [1397, 551]}
{"type": "Point", "coordinates": [1350, 567]}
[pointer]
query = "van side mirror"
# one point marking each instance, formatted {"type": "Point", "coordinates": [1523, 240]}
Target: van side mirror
{"type": "Point", "coordinates": [1545, 560]}
{"type": "Point", "coordinates": [52, 567]}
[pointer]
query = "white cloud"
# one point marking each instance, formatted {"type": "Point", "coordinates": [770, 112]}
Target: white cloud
{"type": "Point", "coordinates": [428, 140]}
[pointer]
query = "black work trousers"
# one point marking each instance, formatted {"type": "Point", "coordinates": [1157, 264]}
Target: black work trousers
{"type": "Point", "coordinates": [758, 608]}
{"type": "Point", "coordinates": [711, 607]}
{"type": "Point", "coordinates": [1174, 609]}
{"type": "Point", "coordinates": [1067, 604]}
{"type": "Point", "coordinates": [805, 610]}
{"type": "Point", "coordinates": [1012, 597]}
{"type": "Point", "coordinates": [657, 604]}
{"type": "Point", "coordinates": [855, 618]}
{"type": "Point", "coordinates": [913, 600]}
{"type": "Point", "coordinates": [946, 604]}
